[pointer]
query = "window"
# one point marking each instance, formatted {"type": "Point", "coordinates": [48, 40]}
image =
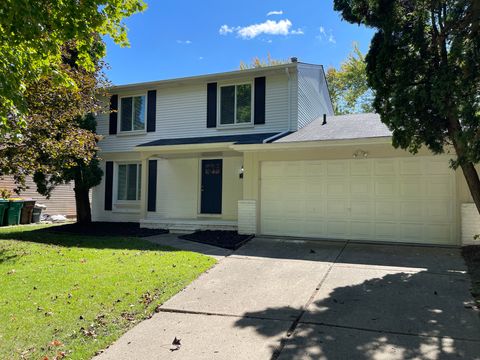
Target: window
{"type": "Point", "coordinates": [132, 113]}
{"type": "Point", "coordinates": [236, 104]}
{"type": "Point", "coordinates": [129, 180]}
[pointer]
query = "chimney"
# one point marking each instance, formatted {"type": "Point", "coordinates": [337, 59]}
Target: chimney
{"type": "Point", "coordinates": [324, 119]}
{"type": "Point", "coordinates": [293, 59]}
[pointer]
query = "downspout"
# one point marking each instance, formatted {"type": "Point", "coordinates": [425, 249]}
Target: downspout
{"type": "Point", "coordinates": [283, 133]}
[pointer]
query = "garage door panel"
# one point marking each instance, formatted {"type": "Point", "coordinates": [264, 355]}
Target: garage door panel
{"type": "Point", "coordinates": [337, 186]}
{"type": "Point", "coordinates": [386, 187]}
{"type": "Point", "coordinates": [337, 168]}
{"type": "Point", "coordinates": [338, 228]}
{"type": "Point", "coordinates": [385, 167]}
{"type": "Point", "coordinates": [361, 186]}
{"type": "Point", "coordinates": [410, 167]}
{"type": "Point", "coordinates": [337, 208]}
{"type": "Point", "coordinates": [402, 199]}
{"type": "Point", "coordinates": [361, 167]}
{"type": "Point", "coordinates": [361, 209]}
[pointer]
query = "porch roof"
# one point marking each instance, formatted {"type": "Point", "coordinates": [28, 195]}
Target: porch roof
{"type": "Point", "coordinates": [234, 139]}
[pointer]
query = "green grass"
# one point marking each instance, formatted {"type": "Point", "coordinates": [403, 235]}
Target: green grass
{"type": "Point", "coordinates": [74, 295]}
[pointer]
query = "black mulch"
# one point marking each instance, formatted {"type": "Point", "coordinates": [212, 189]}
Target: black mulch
{"type": "Point", "coordinates": [127, 229]}
{"type": "Point", "coordinates": [225, 239]}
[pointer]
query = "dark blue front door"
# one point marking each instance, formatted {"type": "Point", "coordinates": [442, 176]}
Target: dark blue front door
{"type": "Point", "coordinates": [211, 199]}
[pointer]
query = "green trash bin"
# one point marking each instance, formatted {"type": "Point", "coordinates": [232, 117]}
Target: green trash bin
{"type": "Point", "coordinates": [13, 212]}
{"type": "Point", "coordinates": [3, 210]}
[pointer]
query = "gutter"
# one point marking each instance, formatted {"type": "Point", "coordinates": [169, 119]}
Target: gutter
{"type": "Point", "coordinates": [276, 136]}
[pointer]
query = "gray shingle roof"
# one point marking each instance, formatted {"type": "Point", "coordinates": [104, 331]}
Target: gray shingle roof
{"type": "Point", "coordinates": [341, 127]}
{"type": "Point", "coordinates": [237, 139]}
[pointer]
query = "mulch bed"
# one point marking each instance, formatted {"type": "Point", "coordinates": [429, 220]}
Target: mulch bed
{"type": "Point", "coordinates": [126, 229]}
{"type": "Point", "coordinates": [225, 239]}
{"type": "Point", "coordinates": [471, 254]}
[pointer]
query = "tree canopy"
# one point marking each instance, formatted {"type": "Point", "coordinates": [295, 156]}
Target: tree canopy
{"type": "Point", "coordinates": [348, 86]}
{"type": "Point", "coordinates": [424, 66]}
{"type": "Point", "coordinates": [258, 62]}
{"type": "Point", "coordinates": [32, 34]}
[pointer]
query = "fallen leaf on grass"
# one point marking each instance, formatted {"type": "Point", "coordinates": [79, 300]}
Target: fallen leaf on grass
{"type": "Point", "coordinates": [56, 343]}
{"type": "Point", "coordinates": [11, 272]}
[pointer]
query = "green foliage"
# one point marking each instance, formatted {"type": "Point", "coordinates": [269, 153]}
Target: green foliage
{"type": "Point", "coordinates": [259, 62]}
{"type": "Point", "coordinates": [76, 294]}
{"type": "Point", "coordinates": [32, 34]}
{"type": "Point", "coordinates": [348, 86]}
{"type": "Point", "coordinates": [424, 66]}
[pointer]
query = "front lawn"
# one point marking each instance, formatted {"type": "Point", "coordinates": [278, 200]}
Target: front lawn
{"type": "Point", "coordinates": [70, 295]}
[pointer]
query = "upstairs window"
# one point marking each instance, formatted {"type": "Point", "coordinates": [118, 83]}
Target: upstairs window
{"type": "Point", "coordinates": [132, 113]}
{"type": "Point", "coordinates": [236, 104]}
{"type": "Point", "coordinates": [129, 180]}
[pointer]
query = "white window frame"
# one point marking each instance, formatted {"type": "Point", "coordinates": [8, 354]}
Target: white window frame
{"type": "Point", "coordinates": [219, 105]}
{"type": "Point", "coordinates": [119, 110]}
{"type": "Point", "coordinates": [139, 184]}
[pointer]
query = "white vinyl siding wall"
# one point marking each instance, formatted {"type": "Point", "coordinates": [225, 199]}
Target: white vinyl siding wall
{"type": "Point", "coordinates": [182, 112]}
{"type": "Point", "coordinates": [313, 98]}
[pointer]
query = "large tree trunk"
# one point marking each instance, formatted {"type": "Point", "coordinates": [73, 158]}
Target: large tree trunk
{"type": "Point", "coordinates": [82, 204]}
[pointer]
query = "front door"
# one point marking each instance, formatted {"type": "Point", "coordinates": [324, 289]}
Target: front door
{"type": "Point", "coordinates": [211, 198]}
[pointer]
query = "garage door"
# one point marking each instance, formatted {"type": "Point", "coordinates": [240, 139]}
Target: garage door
{"type": "Point", "coordinates": [398, 199]}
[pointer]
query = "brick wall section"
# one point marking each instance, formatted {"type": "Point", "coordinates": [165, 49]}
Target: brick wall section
{"type": "Point", "coordinates": [470, 224]}
{"type": "Point", "coordinates": [62, 200]}
{"type": "Point", "coordinates": [247, 217]}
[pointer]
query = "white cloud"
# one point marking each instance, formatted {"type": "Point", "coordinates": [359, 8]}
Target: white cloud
{"type": "Point", "coordinates": [225, 29]}
{"type": "Point", "coordinates": [275, 12]}
{"type": "Point", "coordinates": [323, 35]}
{"type": "Point", "coordinates": [200, 58]}
{"type": "Point", "coordinates": [184, 42]}
{"type": "Point", "coordinates": [269, 27]}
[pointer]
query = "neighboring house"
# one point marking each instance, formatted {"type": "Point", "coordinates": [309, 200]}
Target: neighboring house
{"type": "Point", "coordinates": [250, 149]}
{"type": "Point", "coordinates": [61, 201]}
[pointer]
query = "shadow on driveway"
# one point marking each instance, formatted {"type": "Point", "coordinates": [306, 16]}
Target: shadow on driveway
{"type": "Point", "coordinates": [395, 316]}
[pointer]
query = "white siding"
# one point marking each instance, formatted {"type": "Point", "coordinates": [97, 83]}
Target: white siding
{"type": "Point", "coordinates": [125, 214]}
{"type": "Point", "coordinates": [247, 217]}
{"type": "Point", "coordinates": [181, 112]}
{"type": "Point", "coordinates": [313, 97]}
{"type": "Point", "coordinates": [178, 189]}
{"type": "Point", "coordinates": [470, 224]}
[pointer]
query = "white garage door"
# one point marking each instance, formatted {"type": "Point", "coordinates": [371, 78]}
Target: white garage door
{"type": "Point", "coordinates": [398, 199]}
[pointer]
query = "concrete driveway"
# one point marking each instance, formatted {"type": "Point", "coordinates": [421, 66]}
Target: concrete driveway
{"type": "Point", "coordinates": [284, 299]}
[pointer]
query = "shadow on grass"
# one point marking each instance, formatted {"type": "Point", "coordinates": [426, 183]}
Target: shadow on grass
{"type": "Point", "coordinates": [6, 256]}
{"type": "Point", "coordinates": [396, 316]}
{"type": "Point", "coordinates": [51, 235]}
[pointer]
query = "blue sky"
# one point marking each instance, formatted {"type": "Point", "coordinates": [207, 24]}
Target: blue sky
{"type": "Point", "coordinates": [185, 38]}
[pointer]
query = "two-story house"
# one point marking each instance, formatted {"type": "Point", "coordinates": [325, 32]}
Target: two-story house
{"type": "Point", "coordinates": [260, 151]}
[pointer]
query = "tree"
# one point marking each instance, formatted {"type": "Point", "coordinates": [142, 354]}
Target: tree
{"type": "Point", "coordinates": [258, 62]}
{"type": "Point", "coordinates": [32, 34]}
{"type": "Point", "coordinates": [85, 175]}
{"type": "Point", "coordinates": [348, 86]}
{"type": "Point", "coordinates": [424, 66]}
{"type": "Point", "coordinates": [58, 137]}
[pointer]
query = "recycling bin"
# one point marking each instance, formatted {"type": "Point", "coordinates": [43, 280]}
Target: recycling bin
{"type": "Point", "coordinates": [27, 210]}
{"type": "Point", "coordinates": [3, 210]}
{"type": "Point", "coordinates": [37, 213]}
{"type": "Point", "coordinates": [14, 211]}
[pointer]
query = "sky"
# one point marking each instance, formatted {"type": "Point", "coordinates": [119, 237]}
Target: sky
{"type": "Point", "coordinates": [186, 38]}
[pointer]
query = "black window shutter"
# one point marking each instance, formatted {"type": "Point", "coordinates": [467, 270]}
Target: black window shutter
{"type": "Point", "coordinates": [108, 185]}
{"type": "Point", "coordinates": [112, 126]}
{"type": "Point", "coordinates": [211, 105]}
{"type": "Point", "coordinates": [152, 185]}
{"type": "Point", "coordinates": [151, 110]}
{"type": "Point", "coordinates": [259, 101]}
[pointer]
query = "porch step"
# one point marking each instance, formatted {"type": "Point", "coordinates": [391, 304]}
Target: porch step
{"type": "Point", "coordinates": [186, 226]}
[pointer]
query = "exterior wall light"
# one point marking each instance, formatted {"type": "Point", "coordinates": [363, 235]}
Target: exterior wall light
{"type": "Point", "coordinates": [240, 173]}
{"type": "Point", "coordinates": [360, 154]}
